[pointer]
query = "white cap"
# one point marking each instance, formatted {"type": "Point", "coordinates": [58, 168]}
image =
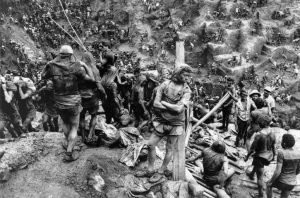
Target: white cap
{"type": "Point", "coordinates": [268, 89]}
{"type": "Point", "coordinates": [66, 49]}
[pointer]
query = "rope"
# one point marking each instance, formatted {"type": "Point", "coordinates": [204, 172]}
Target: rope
{"type": "Point", "coordinates": [72, 26]}
{"type": "Point", "coordinates": [62, 28]}
{"type": "Point", "coordinates": [67, 32]}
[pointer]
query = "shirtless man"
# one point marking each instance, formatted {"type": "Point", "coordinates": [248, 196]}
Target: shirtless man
{"type": "Point", "coordinates": [172, 98]}
{"type": "Point", "coordinates": [27, 109]}
{"type": "Point", "coordinates": [65, 74]}
{"type": "Point", "coordinates": [287, 169]}
{"type": "Point", "coordinates": [9, 113]}
{"type": "Point", "coordinates": [138, 103]}
{"type": "Point", "coordinates": [263, 151]}
{"type": "Point", "coordinates": [216, 169]}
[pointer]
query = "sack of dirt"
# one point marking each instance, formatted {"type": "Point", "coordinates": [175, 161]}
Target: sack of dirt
{"type": "Point", "coordinates": [131, 155]}
{"type": "Point", "coordinates": [261, 116]}
{"type": "Point", "coordinates": [129, 135]}
{"type": "Point", "coordinates": [109, 135]}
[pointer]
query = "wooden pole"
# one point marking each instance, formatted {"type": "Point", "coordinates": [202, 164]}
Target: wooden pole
{"type": "Point", "coordinates": [179, 53]}
{"type": "Point", "coordinates": [220, 103]}
{"type": "Point", "coordinates": [179, 150]}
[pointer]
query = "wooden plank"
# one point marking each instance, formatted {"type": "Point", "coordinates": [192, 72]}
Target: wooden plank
{"type": "Point", "coordinates": [179, 159]}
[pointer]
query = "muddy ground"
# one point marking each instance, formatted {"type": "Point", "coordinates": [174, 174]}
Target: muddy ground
{"type": "Point", "coordinates": [35, 169]}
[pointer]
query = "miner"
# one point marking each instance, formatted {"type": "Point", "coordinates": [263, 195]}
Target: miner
{"type": "Point", "coordinates": [172, 99]}
{"type": "Point", "coordinates": [228, 104]}
{"type": "Point", "coordinates": [65, 73]}
{"type": "Point", "coordinates": [287, 169]}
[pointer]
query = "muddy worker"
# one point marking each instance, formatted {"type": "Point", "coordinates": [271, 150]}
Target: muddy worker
{"type": "Point", "coordinates": [256, 97]}
{"type": "Point", "coordinates": [263, 151]}
{"type": "Point", "coordinates": [138, 104]}
{"type": "Point", "coordinates": [9, 113]}
{"type": "Point", "coordinates": [270, 100]}
{"type": "Point", "coordinates": [50, 116]}
{"type": "Point", "coordinates": [27, 109]}
{"type": "Point", "coordinates": [111, 105]}
{"type": "Point", "coordinates": [215, 167]}
{"type": "Point", "coordinates": [90, 92]}
{"type": "Point", "coordinates": [244, 106]}
{"type": "Point", "coordinates": [172, 99]}
{"type": "Point", "coordinates": [228, 104]}
{"type": "Point", "coordinates": [65, 73]}
{"type": "Point", "coordinates": [287, 169]}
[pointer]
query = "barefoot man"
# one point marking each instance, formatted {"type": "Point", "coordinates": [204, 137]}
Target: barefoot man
{"type": "Point", "coordinates": [66, 73]}
{"type": "Point", "coordinates": [172, 98]}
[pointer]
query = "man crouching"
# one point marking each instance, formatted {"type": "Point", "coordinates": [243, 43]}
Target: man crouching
{"type": "Point", "coordinates": [172, 98]}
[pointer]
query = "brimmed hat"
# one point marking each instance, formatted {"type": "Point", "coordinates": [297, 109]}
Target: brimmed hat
{"type": "Point", "coordinates": [255, 92]}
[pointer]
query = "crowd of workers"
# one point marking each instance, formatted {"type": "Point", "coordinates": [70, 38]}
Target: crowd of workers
{"type": "Point", "coordinates": [71, 89]}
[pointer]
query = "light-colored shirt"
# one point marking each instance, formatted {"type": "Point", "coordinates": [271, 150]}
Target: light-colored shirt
{"type": "Point", "coordinates": [271, 101]}
{"type": "Point", "coordinates": [290, 160]}
{"type": "Point", "coordinates": [243, 112]}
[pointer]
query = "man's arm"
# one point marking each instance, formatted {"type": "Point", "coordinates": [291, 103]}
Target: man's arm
{"type": "Point", "coordinates": [194, 158]}
{"type": "Point", "coordinates": [253, 147]}
{"type": "Point", "coordinates": [115, 95]}
{"type": "Point", "coordinates": [23, 95]}
{"type": "Point", "coordinates": [157, 101]}
{"type": "Point", "coordinates": [141, 100]}
{"type": "Point", "coordinates": [253, 105]}
{"type": "Point", "coordinates": [8, 95]}
{"type": "Point", "coordinates": [273, 145]}
{"type": "Point", "coordinates": [277, 170]}
{"type": "Point", "coordinates": [87, 72]}
{"type": "Point", "coordinates": [226, 165]}
{"type": "Point", "coordinates": [179, 107]}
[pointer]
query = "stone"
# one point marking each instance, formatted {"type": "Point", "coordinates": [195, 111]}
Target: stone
{"type": "Point", "coordinates": [5, 175]}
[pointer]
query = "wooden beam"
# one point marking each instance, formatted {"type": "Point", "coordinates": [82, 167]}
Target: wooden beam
{"type": "Point", "coordinates": [179, 159]}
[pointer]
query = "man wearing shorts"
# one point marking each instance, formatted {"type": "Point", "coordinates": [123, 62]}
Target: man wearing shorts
{"type": "Point", "coordinates": [172, 99]}
{"type": "Point", "coordinates": [263, 150]}
{"type": "Point", "coordinates": [65, 73]}
{"type": "Point", "coordinates": [288, 167]}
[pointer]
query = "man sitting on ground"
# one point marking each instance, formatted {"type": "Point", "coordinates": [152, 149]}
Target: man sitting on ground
{"type": "Point", "coordinates": [215, 167]}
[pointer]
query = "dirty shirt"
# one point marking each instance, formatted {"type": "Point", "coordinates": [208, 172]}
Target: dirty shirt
{"type": "Point", "coordinates": [65, 77]}
{"type": "Point", "coordinates": [166, 92]}
{"type": "Point", "coordinates": [290, 160]}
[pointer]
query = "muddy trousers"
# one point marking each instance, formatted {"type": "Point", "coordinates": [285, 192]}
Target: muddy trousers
{"type": "Point", "coordinates": [242, 127]}
{"type": "Point", "coordinates": [226, 111]}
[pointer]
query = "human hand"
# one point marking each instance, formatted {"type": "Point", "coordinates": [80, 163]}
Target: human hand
{"type": "Point", "coordinates": [146, 115]}
{"type": "Point", "coordinates": [3, 85]}
{"type": "Point", "coordinates": [269, 183]}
